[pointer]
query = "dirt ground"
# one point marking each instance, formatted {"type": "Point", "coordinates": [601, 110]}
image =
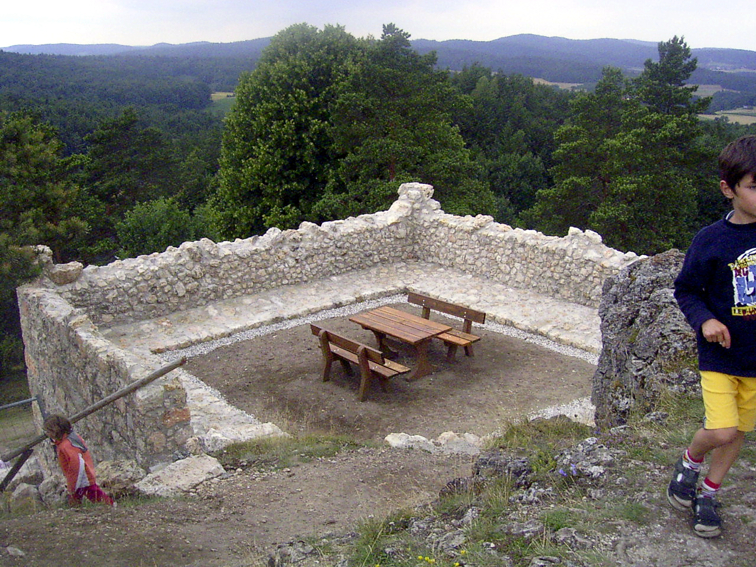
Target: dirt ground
{"type": "Point", "coordinates": [277, 378]}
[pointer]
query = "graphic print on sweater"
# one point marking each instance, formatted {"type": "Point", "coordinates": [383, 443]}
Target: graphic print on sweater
{"type": "Point", "coordinates": [744, 285]}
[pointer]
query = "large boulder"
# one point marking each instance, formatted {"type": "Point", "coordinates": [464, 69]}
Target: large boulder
{"type": "Point", "coordinates": [119, 478]}
{"type": "Point", "coordinates": [647, 345]}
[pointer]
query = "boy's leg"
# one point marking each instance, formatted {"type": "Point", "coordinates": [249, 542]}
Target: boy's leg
{"type": "Point", "coordinates": [720, 393]}
{"type": "Point", "coordinates": [709, 440]}
{"type": "Point", "coordinates": [723, 394]}
{"type": "Point", "coordinates": [723, 457]}
{"type": "Point", "coordinates": [706, 520]}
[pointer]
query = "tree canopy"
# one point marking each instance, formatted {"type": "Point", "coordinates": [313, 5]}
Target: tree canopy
{"type": "Point", "coordinates": [625, 164]}
{"type": "Point", "coordinates": [36, 198]}
{"type": "Point", "coordinates": [327, 126]}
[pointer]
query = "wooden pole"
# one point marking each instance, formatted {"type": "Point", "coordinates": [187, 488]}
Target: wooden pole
{"type": "Point", "coordinates": [101, 404]}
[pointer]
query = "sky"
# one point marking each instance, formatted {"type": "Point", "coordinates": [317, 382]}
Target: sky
{"type": "Point", "coordinates": [147, 22]}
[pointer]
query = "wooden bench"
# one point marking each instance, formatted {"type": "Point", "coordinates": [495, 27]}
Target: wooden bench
{"type": "Point", "coordinates": [454, 338]}
{"type": "Point", "coordinates": [370, 361]}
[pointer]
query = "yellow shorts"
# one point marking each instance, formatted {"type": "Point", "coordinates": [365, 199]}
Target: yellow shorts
{"type": "Point", "coordinates": [730, 401]}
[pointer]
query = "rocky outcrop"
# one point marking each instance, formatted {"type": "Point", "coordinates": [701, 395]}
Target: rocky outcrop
{"type": "Point", "coordinates": [648, 347]}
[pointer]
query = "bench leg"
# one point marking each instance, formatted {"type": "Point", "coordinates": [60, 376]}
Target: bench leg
{"type": "Point", "coordinates": [364, 386]}
{"type": "Point", "coordinates": [347, 367]}
{"type": "Point", "coordinates": [469, 351]}
{"type": "Point", "coordinates": [327, 370]}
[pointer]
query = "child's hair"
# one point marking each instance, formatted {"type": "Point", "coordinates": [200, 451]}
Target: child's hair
{"type": "Point", "coordinates": [737, 160]}
{"type": "Point", "coordinates": [56, 426]}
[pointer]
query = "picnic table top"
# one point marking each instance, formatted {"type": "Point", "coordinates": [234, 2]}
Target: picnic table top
{"type": "Point", "coordinates": [404, 326]}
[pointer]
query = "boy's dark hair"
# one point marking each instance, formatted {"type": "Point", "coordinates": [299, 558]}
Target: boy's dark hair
{"type": "Point", "coordinates": [56, 426]}
{"type": "Point", "coordinates": [737, 160]}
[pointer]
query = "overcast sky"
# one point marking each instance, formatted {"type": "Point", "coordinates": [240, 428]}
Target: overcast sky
{"type": "Point", "coordinates": [147, 22]}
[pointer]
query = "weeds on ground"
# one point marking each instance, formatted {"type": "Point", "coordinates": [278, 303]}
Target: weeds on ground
{"type": "Point", "coordinates": [569, 501]}
{"type": "Point", "coordinates": [275, 453]}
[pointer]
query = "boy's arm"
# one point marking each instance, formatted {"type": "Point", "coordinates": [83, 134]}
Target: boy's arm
{"type": "Point", "coordinates": [691, 297]}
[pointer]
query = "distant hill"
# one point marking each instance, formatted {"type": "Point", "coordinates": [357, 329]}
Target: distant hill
{"type": "Point", "coordinates": [555, 59]}
{"type": "Point", "coordinates": [72, 49]}
{"type": "Point", "coordinates": [627, 54]}
{"type": "Point", "coordinates": [242, 49]}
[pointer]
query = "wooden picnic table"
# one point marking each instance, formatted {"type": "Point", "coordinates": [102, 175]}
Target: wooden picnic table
{"type": "Point", "coordinates": [405, 327]}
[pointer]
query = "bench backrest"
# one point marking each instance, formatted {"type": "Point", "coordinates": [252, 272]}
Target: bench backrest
{"type": "Point", "coordinates": [448, 308]}
{"type": "Point", "coordinates": [372, 354]}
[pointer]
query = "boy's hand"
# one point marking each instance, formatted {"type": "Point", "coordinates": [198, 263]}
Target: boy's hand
{"type": "Point", "coordinates": [715, 332]}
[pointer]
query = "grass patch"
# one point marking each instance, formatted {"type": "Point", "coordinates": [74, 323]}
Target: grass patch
{"type": "Point", "coordinates": [13, 387]}
{"type": "Point", "coordinates": [275, 453]}
{"type": "Point", "coordinates": [540, 434]}
{"type": "Point", "coordinates": [222, 102]}
{"type": "Point", "coordinates": [507, 528]}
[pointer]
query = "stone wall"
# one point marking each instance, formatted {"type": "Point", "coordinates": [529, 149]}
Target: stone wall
{"type": "Point", "coordinates": [198, 273]}
{"type": "Point", "coordinates": [70, 367]}
{"type": "Point", "coordinates": [71, 364]}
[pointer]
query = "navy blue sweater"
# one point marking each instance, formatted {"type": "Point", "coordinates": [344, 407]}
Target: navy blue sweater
{"type": "Point", "coordinates": [718, 281]}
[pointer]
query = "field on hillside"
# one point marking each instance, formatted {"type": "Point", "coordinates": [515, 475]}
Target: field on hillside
{"type": "Point", "coordinates": [738, 116]}
{"type": "Point", "coordinates": [222, 101]}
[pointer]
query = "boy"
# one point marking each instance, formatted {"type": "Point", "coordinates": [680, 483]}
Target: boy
{"type": "Point", "coordinates": [75, 461]}
{"type": "Point", "coordinates": [716, 291]}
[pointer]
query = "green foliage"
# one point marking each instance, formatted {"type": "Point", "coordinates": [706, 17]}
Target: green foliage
{"type": "Point", "coordinates": [153, 226]}
{"type": "Point", "coordinates": [662, 85]}
{"type": "Point", "coordinates": [509, 125]}
{"type": "Point", "coordinates": [75, 93]}
{"type": "Point", "coordinates": [128, 163]}
{"type": "Point", "coordinates": [276, 145]}
{"type": "Point", "coordinates": [608, 176]}
{"type": "Point", "coordinates": [328, 125]}
{"type": "Point", "coordinates": [35, 208]}
{"type": "Point", "coordinates": [393, 124]}
{"type": "Point", "coordinates": [36, 194]}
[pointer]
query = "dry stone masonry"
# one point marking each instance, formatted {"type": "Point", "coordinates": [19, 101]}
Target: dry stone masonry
{"type": "Point", "coordinates": [66, 312]}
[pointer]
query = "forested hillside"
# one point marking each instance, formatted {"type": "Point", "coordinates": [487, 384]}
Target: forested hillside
{"type": "Point", "coordinates": [553, 59]}
{"type": "Point", "coordinates": [120, 155]}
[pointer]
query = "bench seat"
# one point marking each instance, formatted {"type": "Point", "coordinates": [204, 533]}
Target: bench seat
{"type": "Point", "coordinates": [454, 338]}
{"type": "Point", "coordinates": [370, 361]}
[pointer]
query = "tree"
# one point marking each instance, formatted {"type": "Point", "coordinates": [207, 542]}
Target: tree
{"type": "Point", "coordinates": [36, 191]}
{"type": "Point", "coordinates": [662, 85]}
{"type": "Point", "coordinates": [154, 226]}
{"type": "Point", "coordinates": [327, 126]}
{"type": "Point", "coordinates": [277, 149]}
{"type": "Point", "coordinates": [624, 169]}
{"type": "Point", "coordinates": [36, 197]}
{"type": "Point", "coordinates": [580, 176]}
{"type": "Point", "coordinates": [392, 124]}
{"type": "Point", "coordinates": [509, 127]}
{"type": "Point", "coordinates": [127, 163]}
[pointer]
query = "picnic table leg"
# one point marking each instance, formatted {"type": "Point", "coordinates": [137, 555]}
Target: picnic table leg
{"type": "Point", "coordinates": [382, 346]}
{"type": "Point", "coordinates": [451, 352]}
{"type": "Point", "coordinates": [423, 366]}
